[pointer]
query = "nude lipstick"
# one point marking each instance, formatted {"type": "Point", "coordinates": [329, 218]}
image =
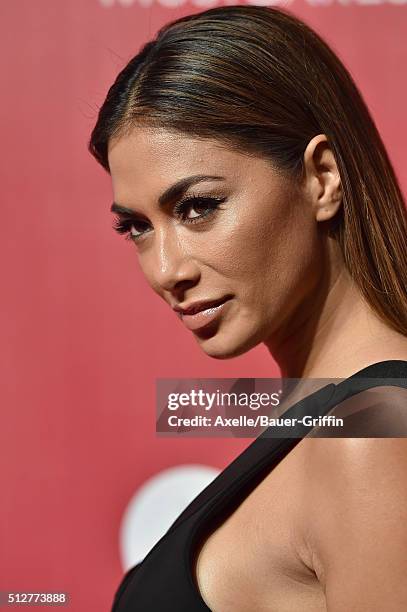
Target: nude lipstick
{"type": "Point", "coordinates": [199, 314]}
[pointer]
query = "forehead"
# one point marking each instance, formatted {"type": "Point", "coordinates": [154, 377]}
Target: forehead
{"type": "Point", "coordinates": [164, 148]}
{"type": "Point", "coordinates": [149, 159]}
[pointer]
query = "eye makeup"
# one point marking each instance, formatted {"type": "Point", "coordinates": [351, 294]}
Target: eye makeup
{"type": "Point", "coordinates": [134, 228]}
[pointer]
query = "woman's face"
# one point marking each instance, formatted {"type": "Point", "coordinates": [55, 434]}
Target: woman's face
{"type": "Point", "coordinates": [239, 258]}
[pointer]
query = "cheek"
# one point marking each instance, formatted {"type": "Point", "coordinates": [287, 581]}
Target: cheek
{"type": "Point", "coordinates": [250, 238]}
{"type": "Point", "coordinates": [237, 243]}
{"type": "Point", "coordinates": [271, 248]}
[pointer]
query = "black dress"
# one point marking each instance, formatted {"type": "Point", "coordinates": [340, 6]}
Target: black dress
{"type": "Point", "coordinates": [163, 581]}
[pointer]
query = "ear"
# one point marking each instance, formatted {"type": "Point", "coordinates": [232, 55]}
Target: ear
{"type": "Point", "coordinates": [322, 179]}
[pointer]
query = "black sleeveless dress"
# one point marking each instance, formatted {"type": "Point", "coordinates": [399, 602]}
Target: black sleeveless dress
{"type": "Point", "coordinates": [163, 581]}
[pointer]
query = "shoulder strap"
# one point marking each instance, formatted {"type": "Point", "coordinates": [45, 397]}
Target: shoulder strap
{"type": "Point", "coordinates": [384, 373]}
{"type": "Point", "coordinates": [318, 404]}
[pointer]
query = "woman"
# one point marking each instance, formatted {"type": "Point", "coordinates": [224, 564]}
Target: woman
{"type": "Point", "coordinates": [264, 209]}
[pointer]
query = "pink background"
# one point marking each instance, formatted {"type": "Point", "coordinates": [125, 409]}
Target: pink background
{"type": "Point", "coordinates": [83, 337]}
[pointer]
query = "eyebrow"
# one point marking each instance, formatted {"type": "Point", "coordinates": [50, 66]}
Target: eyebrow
{"type": "Point", "coordinates": [174, 192]}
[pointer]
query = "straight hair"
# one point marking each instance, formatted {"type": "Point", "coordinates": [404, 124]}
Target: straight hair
{"type": "Point", "coordinates": [260, 80]}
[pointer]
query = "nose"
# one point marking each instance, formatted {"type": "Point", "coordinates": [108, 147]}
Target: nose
{"type": "Point", "coordinates": [175, 267]}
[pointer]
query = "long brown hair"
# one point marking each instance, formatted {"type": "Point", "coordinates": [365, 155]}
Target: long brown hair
{"type": "Point", "coordinates": [259, 79]}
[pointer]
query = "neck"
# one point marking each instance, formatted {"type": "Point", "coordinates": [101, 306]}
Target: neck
{"type": "Point", "coordinates": [337, 334]}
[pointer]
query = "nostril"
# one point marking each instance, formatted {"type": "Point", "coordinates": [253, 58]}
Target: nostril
{"type": "Point", "coordinates": [183, 285]}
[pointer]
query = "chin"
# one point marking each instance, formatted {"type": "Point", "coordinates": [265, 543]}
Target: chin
{"type": "Point", "coordinates": [222, 345]}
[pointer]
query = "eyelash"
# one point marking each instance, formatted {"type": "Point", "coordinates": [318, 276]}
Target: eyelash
{"type": "Point", "coordinates": [124, 222]}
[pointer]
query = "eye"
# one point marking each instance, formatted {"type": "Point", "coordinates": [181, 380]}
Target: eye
{"type": "Point", "coordinates": [194, 208]}
{"type": "Point", "coordinates": [131, 227]}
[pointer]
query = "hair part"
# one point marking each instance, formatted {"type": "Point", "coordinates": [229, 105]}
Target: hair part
{"type": "Point", "coordinates": [259, 79]}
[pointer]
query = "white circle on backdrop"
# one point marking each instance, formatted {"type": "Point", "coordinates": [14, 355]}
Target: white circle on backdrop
{"type": "Point", "coordinates": [155, 506]}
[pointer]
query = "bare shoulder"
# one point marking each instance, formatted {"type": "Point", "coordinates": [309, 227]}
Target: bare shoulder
{"type": "Point", "coordinates": [355, 471]}
{"type": "Point", "coordinates": [344, 458]}
{"type": "Point", "coordinates": [354, 520]}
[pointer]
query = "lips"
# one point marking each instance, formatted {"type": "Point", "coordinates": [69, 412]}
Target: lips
{"type": "Point", "coordinates": [201, 314]}
{"type": "Point", "coordinates": [199, 306]}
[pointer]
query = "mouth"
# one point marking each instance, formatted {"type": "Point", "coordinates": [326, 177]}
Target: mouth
{"type": "Point", "coordinates": [199, 314]}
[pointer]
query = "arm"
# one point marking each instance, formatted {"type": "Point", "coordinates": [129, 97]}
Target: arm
{"type": "Point", "coordinates": [355, 522]}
